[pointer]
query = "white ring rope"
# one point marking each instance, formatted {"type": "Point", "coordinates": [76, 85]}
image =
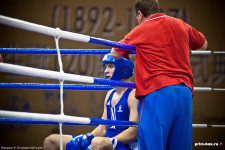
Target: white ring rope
{"type": "Point", "coordinates": [199, 125]}
{"type": "Point", "coordinates": [10, 68]}
{"type": "Point", "coordinates": [17, 69]}
{"type": "Point", "coordinates": [44, 117]}
{"type": "Point", "coordinates": [43, 29]}
{"type": "Point", "coordinates": [38, 118]}
{"type": "Point", "coordinates": [206, 89]}
{"type": "Point", "coordinates": [206, 52]}
{"type": "Point", "coordinates": [72, 119]}
{"type": "Point", "coordinates": [206, 125]}
{"type": "Point", "coordinates": [63, 34]}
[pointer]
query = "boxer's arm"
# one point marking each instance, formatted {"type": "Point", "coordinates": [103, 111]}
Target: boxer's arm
{"type": "Point", "coordinates": [101, 129]}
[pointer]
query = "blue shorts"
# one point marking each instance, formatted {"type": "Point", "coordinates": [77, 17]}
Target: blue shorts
{"type": "Point", "coordinates": [165, 119]}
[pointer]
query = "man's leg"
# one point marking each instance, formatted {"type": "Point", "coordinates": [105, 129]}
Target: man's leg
{"type": "Point", "coordinates": [180, 137]}
{"type": "Point", "coordinates": [101, 143]}
{"type": "Point", "coordinates": [52, 142]}
{"type": "Point", "coordinates": [156, 114]}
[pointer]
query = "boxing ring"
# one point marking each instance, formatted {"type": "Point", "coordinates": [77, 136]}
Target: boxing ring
{"type": "Point", "coordinates": [12, 117]}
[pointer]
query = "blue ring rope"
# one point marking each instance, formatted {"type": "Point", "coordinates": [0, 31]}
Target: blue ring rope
{"type": "Point", "coordinates": [114, 82]}
{"type": "Point", "coordinates": [108, 43]}
{"type": "Point", "coordinates": [94, 122]}
{"type": "Point", "coordinates": [54, 51]}
{"type": "Point", "coordinates": [106, 85]}
{"type": "Point", "coordinates": [54, 86]}
{"type": "Point", "coordinates": [38, 122]}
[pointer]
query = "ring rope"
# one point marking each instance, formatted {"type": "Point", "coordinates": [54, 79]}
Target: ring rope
{"type": "Point", "coordinates": [82, 51]}
{"type": "Point", "coordinates": [55, 86]}
{"type": "Point", "coordinates": [63, 34]}
{"type": "Point", "coordinates": [38, 122]}
{"type": "Point", "coordinates": [206, 126]}
{"type": "Point", "coordinates": [12, 117]}
{"type": "Point", "coordinates": [4, 67]}
{"type": "Point", "coordinates": [58, 118]}
{"type": "Point", "coordinates": [79, 87]}
{"type": "Point", "coordinates": [54, 51]}
{"type": "Point", "coordinates": [206, 52]}
{"type": "Point", "coordinates": [17, 69]}
{"type": "Point", "coordinates": [207, 89]}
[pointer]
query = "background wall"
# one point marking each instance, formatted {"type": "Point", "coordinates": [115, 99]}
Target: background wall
{"type": "Point", "coordinates": [110, 20]}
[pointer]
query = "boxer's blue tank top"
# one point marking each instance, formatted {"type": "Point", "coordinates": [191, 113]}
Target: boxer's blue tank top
{"type": "Point", "coordinates": [119, 112]}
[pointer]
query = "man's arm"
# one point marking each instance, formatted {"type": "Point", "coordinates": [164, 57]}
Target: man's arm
{"type": "Point", "coordinates": [101, 129]}
{"type": "Point", "coordinates": [197, 41]}
{"type": "Point", "coordinates": [131, 133]}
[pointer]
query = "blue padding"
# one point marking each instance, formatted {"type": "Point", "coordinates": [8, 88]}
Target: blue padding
{"type": "Point", "coordinates": [112, 44]}
{"type": "Point", "coordinates": [54, 51]}
{"type": "Point", "coordinates": [112, 122]}
{"type": "Point", "coordinates": [114, 83]}
{"type": "Point", "coordinates": [37, 122]}
{"type": "Point", "coordinates": [54, 86]}
{"type": "Point", "coordinates": [94, 122]}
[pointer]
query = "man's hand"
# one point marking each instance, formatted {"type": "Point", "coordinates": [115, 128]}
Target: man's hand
{"type": "Point", "coordinates": [114, 54]}
{"type": "Point", "coordinates": [1, 58]}
{"type": "Point", "coordinates": [205, 45]}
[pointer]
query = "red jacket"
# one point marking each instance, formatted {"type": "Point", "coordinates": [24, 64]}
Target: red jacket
{"type": "Point", "coordinates": [162, 52]}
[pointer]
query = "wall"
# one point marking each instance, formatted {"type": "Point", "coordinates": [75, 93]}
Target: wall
{"type": "Point", "coordinates": [110, 20]}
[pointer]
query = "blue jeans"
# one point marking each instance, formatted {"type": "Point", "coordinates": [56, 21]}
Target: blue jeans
{"type": "Point", "coordinates": [165, 119]}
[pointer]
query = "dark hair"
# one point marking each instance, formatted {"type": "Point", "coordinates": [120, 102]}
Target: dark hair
{"type": "Point", "coordinates": [147, 7]}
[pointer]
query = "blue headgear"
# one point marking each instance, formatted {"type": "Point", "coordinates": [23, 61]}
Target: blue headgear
{"type": "Point", "coordinates": [124, 68]}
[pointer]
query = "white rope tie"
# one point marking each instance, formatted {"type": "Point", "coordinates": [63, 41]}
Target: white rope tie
{"type": "Point", "coordinates": [61, 139]}
{"type": "Point", "coordinates": [58, 52]}
{"type": "Point", "coordinates": [61, 85]}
